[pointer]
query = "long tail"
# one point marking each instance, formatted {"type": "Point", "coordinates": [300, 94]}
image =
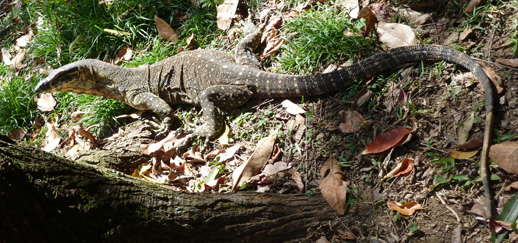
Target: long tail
{"type": "Point", "coordinates": [369, 67]}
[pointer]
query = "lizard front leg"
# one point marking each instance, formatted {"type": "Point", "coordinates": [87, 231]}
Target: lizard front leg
{"type": "Point", "coordinates": [150, 101]}
{"type": "Point", "coordinates": [217, 97]}
{"type": "Point", "coordinates": [244, 49]}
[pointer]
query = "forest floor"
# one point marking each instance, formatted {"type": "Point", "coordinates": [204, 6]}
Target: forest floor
{"type": "Point", "coordinates": [442, 104]}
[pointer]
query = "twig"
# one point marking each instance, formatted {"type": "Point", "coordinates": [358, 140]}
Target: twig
{"type": "Point", "coordinates": [448, 207]}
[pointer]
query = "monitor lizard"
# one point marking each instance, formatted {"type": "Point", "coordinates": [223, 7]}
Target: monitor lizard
{"type": "Point", "coordinates": [217, 81]}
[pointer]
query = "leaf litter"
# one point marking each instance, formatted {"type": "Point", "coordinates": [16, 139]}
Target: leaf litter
{"type": "Point", "coordinates": [182, 170]}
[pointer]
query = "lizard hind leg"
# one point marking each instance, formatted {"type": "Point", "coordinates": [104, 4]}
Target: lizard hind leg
{"type": "Point", "coordinates": [215, 98]}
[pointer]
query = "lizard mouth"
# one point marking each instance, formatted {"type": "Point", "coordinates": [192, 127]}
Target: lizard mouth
{"type": "Point", "coordinates": [42, 86]}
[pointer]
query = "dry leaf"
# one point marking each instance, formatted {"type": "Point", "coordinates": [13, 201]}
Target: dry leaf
{"type": "Point", "coordinates": [165, 30]}
{"type": "Point", "coordinates": [6, 57]}
{"type": "Point", "coordinates": [396, 35]}
{"type": "Point", "coordinates": [497, 81]}
{"type": "Point", "coordinates": [479, 209]}
{"type": "Point", "coordinates": [46, 102]}
{"type": "Point", "coordinates": [332, 187]}
{"type": "Point", "coordinates": [255, 164]}
{"type": "Point", "coordinates": [124, 55]}
{"type": "Point", "coordinates": [292, 108]}
{"type": "Point", "coordinates": [471, 6]}
{"type": "Point", "coordinates": [17, 134]}
{"type": "Point", "coordinates": [23, 41]}
{"type": "Point", "coordinates": [52, 137]}
{"type": "Point", "coordinates": [413, 17]}
{"type": "Point", "coordinates": [387, 140]}
{"type": "Point", "coordinates": [508, 62]}
{"type": "Point", "coordinates": [297, 177]}
{"type": "Point", "coordinates": [226, 12]}
{"type": "Point", "coordinates": [350, 5]}
{"type": "Point", "coordinates": [512, 186]}
{"type": "Point", "coordinates": [505, 155]}
{"type": "Point", "coordinates": [370, 20]}
{"type": "Point", "coordinates": [225, 137]}
{"type": "Point", "coordinates": [229, 153]}
{"type": "Point", "coordinates": [460, 154]}
{"type": "Point", "coordinates": [17, 60]}
{"type": "Point", "coordinates": [135, 115]}
{"type": "Point", "coordinates": [353, 120]}
{"type": "Point", "coordinates": [272, 47]}
{"type": "Point", "coordinates": [272, 169]}
{"type": "Point", "coordinates": [464, 130]}
{"type": "Point", "coordinates": [406, 209]}
{"type": "Point", "coordinates": [473, 143]}
{"type": "Point", "coordinates": [403, 168]}
{"type": "Point", "coordinates": [116, 32]}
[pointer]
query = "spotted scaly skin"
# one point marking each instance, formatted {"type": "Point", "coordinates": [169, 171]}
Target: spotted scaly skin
{"type": "Point", "coordinates": [215, 81]}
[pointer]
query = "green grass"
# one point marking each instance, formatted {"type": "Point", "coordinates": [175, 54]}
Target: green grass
{"type": "Point", "coordinates": [67, 31]}
{"type": "Point", "coordinates": [321, 37]}
{"type": "Point", "coordinates": [16, 99]}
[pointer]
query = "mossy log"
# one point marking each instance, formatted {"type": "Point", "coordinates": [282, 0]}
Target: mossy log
{"type": "Point", "coordinates": [46, 198]}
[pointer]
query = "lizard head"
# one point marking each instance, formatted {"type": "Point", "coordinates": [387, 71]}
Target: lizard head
{"type": "Point", "coordinates": [69, 78]}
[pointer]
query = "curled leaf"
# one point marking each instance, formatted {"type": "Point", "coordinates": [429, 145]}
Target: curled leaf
{"type": "Point", "coordinates": [406, 209]}
{"type": "Point", "coordinates": [402, 168]}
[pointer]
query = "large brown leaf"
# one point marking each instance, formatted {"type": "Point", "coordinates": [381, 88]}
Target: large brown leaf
{"type": "Point", "coordinates": [505, 155]}
{"type": "Point", "coordinates": [332, 186]}
{"type": "Point", "coordinates": [387, 140]}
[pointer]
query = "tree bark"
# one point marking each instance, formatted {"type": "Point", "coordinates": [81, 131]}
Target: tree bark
{"type": "Point", "coordinates": [45, 198]}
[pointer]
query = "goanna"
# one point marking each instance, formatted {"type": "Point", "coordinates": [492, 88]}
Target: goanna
{"type": "Point", "coordinates": [217, 81]}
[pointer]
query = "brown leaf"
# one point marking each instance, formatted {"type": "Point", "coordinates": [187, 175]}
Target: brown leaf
{"type": "Point", "coordinates": [272, 169]}
{"type": "Point", "coordinates": [512, 186]}
{"type": "Point", "coordinates": [413, 17]}
{"type": "Point", "coordinates": [370, 20]}
{"type": "Point", "coordinates": [52, 137]}
{"type": "Point", "coordinates": [387, 140]}
{"type": "Point", "coordinates": [272, 47]}
{"type": "Point", "coordinates": [352, 122]}
{"type": "Point", "coordinates": [495, 78]}
{"type": "Point", "coordinates": [226, 12]}
{"type": "Point", "coordinates": [479, 209]}
{"type": "Point", "coordinates": [403, 168]}
{"type": "Point", "coordinates": [17, 134]}
{"type": "Point", "coordinates": [461, 155]}
{"type": "Point", "coordinates": [466, 128]}
{"type": "Point", "coordinates": [76, 115]}
{"type": "Point", "coordinates": [123, 55]}
{"type": "Point", "coordinates": [46, 102]}
{"type": "Point", "coordinates": [332, 187]}
{"type": "Point", "coordinates": [505, 155]}
{"type": "Point", "coordinates": [255, 164]}
{"type": "Point", "coordinates": [297, 177]}
{"type": "Point", "coordinates": [508, 62]}
{"type": "Point", "coordinates": [17, 60]}
{"type": "Point", "coordinates": [406, 209]}
{"type": "Point", "coordinates": [402, 97]}
{"type": "Point", "coordinates": [6, 57]}
{"type": "Point", "coordinates": [165, 30]}
{"type": "Point", "coordinates": [396, 35]}
{"type": "Point", "coordinates": [292, 108]}
{"type": "Point", "coordinates": [471, 6]}
{"type": "Point", "coordinates": [473, 143]}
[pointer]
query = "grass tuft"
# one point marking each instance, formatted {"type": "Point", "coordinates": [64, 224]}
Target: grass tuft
{"type": "Point", "coordinates": [324, 33]}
